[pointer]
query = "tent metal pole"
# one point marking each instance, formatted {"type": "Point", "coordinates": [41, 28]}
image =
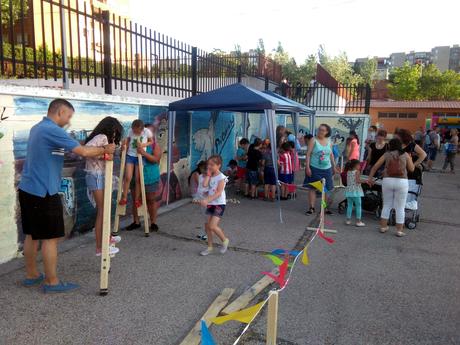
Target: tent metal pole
{"type": "Point", "coordinates": [171, 126]}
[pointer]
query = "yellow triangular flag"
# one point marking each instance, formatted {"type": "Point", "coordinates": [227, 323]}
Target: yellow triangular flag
{"type": "Point", "coordinates": [245, 315]}
{"type": "Point", "coordinates": [318, 185]}
{"type": "Point", "coordinates": [305, 260]}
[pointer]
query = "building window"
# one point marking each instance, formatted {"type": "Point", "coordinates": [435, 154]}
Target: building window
{"type": "Point", "coordinates": [397, 115]}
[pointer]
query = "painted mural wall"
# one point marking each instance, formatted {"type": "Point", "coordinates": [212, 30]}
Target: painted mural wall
{"type": "Point", "coordinates": [197, 136]}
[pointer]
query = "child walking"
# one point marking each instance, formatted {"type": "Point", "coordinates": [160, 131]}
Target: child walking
{"type": "Point", "coordinates": [215, 203]}
{"type": "Point", "coordinates": [108, 131]}
{"type": "Point", "coordinates": [138, 136]}
{"type": "Point", "coordinates": [354, 191]}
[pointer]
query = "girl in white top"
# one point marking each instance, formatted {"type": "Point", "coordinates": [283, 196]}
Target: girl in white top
{"type": "Point", "coordinates": [215, 203]}
{"type": "Point", "coordinates": [138, 136]}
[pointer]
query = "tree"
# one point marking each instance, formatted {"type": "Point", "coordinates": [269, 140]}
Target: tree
{"type": "Point", "coordinates": [404, 82]}
{"type": "Point", "coordinates": [16, 10]}
{"type": "Point", "coordinates": [368, 70]}
{"type": "Point", "coordinates": [307, 70]}
{"type": "Point", "coordinates": [424, 83]}
{"type": "Point", "coordinates": [260, 47]}
{"type": "Point", "coordinates": [339, 67]}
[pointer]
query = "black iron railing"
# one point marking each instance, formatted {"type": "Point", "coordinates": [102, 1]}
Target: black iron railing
{"type": "Point", "coordinates": [76, 42]}
{"type": "Point", "coordinates": [341, 98]}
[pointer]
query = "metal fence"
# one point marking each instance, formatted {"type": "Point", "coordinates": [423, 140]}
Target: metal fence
{"type": "Point", "coordinates": [76, 42]}
{"type": "Point", "coordinates": [342, 98]}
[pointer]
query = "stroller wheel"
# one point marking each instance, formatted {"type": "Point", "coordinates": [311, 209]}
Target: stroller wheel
{"type": "Point", "coordinates": [378, 213]}
{"type": "Point", "coordinates": [417, 218]}
{"type": "Point", "coordinates": [410, 224]}
{"type": "Point", "coordinates": [341, 209]}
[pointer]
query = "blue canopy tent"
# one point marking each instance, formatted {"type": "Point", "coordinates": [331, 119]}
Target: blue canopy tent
{"type": "Point", "coordinates": [236, 98]}
{"type": "Point", "coordinates": [306, 111]}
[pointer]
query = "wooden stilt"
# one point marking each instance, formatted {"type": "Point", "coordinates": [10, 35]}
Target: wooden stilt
{"type": "Point", "coordinates": [121, 209]}
{"type": "Point", "coordinates": [323, 201]}
{"type": "Point", "coordinates": [143, 211]}
{"type": "Point", "coordinates": [105, 255]}
{"type": "Point", "coordinates": [272, 318]}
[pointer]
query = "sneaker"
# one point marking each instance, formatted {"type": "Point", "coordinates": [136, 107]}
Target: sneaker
{"type": "Point", "coordinates": [206, 252]}
{"type": "Point", "coordinates": [348, 222]}
{"type": "Point", "coordinates": [133, 226]}
{"type": "Point", "coordinates": [224, 247]}
{"type": "Point", "coordinates": [154, 227]}
{"type": "Point", "coordinates": [112, 251]}
{"type": "Point", "coordinates": [360, 224]}
{"type": "Point", "coordinates": [400, 234]}
{"type": "Point", "coordinates": [29, 282]}
{"type": "Point", "coordinates": [115, 239]}
{"type": "Point", "coordinates": [61, 287]}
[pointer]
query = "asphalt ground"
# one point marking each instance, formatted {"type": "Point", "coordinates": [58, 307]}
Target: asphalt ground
{"type": "Point", "coordinates": [366, 288]}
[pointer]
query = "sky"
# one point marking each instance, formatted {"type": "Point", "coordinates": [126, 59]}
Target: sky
{"type": "Point", "coordinates": [361, 28]}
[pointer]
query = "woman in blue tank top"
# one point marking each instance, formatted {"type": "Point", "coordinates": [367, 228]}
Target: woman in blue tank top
{"type": "Point", "coordinates": [320, 164]}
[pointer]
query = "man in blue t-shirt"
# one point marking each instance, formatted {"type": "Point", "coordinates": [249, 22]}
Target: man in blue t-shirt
{"type": "Point", "coordinates": [41, 207]}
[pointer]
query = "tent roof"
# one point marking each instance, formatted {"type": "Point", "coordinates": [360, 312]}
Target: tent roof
{"type": "Point", "coordinates": [236, 97]}
{"type": "Point", "coordinates": [305, 110]}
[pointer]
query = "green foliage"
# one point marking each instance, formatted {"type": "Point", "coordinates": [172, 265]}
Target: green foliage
{"type": "Point", "coordinates": [339, 67]}
{"type": "Point", "coordinates": [405, 82]}
{"type": "Point", "coordinates": [16, 10]}
{"type": "Point", "coordinates": [428, 83]}
{"type": "Point", "coordinates": [368, 71]}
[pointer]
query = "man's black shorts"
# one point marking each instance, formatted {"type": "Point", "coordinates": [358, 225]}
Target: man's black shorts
{"type": "Point", "coordinates": [42, 218]}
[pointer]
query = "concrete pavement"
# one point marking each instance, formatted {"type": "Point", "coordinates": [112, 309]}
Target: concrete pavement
{"type": "Point", "coordinates": [367, 288]}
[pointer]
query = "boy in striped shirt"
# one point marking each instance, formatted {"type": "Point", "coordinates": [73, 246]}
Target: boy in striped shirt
{"type": "Point", "coordinates": [285, 169]}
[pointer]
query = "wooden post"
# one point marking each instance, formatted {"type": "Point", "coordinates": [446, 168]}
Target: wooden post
{"type": "Point", "coordinates": [272, 318]}
{"type": "Point", "coordinates": [105, 255]}
{"type": "Point", "coordinates": [120, 210]}
{"type": "Point", "coordinates": [143, 211]}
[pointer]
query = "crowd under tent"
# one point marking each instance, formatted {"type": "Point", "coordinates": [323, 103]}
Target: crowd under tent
{"type": "Point", "coordinates": [242, 99]}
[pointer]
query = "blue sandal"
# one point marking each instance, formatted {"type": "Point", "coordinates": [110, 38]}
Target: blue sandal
{"type": "Point", "coordinates": [30, 282]}
{"type": "Point", "coordinates": [61, 287]}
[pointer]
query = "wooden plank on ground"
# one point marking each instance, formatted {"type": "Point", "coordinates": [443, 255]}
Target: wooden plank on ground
{"type": "Point", "coordinates": [242, 301]}
{"type": "Point", "coordinates": [194, 336]}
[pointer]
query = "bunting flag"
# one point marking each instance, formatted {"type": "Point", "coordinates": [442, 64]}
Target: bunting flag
{"type": "Point", "coordinates": [324, 237]}
{"type": "Point", "coordinates": [305, 259]}
{"type": "Point", "coordinates": [206, 337]}
{"type": "Point", "coordinates": [284, 251]}
{"type": "Point", "coordinates": [323, 204]}
{"type": "Point", "coordinates": [276, 260]}
{"type": "Point", "coordinates": [244, 316]}
{"type": "Point", "coordinates": [280, 279]}
{"type": "Point", "coordinates": [318, 185]}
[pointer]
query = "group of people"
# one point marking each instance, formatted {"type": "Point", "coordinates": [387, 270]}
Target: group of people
{"type": "Point", "coordinates": [256, 166]}
{"type": "Point", "coordinates": [396, 161]}
{"type": "Point", "coordinates": [40, 203]}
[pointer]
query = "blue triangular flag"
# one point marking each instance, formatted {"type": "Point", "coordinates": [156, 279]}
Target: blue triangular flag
{"type": "Point", "coordinates": [206, 337]}
{"type": "Point", "coordinates": [283, 252]}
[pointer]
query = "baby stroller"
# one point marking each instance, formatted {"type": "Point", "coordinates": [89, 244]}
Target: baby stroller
{"type": "Point", "coordinates": [412, 215]}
